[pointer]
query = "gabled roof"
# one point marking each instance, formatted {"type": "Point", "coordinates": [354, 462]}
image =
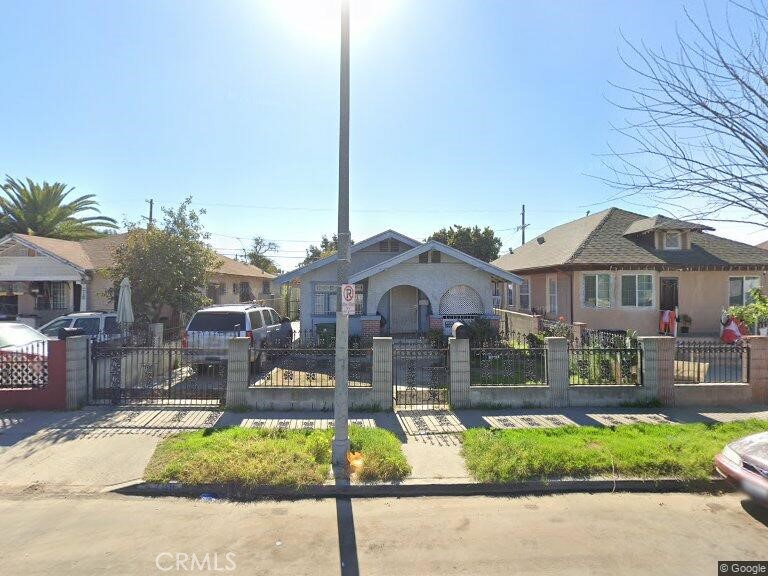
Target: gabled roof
{"type": "Point", "coordinates": [601, 240]}
{"type": "Point", "coordinates": [440, 247]}
{"type": "Point", "coordinates": [97, 253]}
{"type": "Point", "coordinates": [386, 235]}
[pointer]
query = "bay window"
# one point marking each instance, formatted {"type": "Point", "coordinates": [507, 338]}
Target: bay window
{"type": "Point", "coordinates": [637, 290]}
{"type": "Point", "coordinates": [596, 290]}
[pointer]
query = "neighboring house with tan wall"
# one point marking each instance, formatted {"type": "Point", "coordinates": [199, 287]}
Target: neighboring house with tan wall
{"type": "Point", "coordinates": [42, 278]}
{"type": "Point", "coordinates": [618, 270]}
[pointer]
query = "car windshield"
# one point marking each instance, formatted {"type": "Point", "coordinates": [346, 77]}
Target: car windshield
{"type": "Point", "coordinates": [53, 328]}
{"type": "Point", "coordinates": [18, 335]}
{"type": "Point", "coordinates": [217, 322]}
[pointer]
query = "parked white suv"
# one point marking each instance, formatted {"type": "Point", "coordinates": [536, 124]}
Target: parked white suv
{"type": "Point", "coordinates": [210, 330]}
{"type": "Point", "coordinates": [92, 324]}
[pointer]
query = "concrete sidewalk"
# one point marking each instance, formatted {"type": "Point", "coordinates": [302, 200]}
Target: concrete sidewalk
{"type": "Point", "coordinates": [102, 447]}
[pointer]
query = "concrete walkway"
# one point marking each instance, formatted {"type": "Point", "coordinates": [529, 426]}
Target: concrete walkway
{"type": "Point", "coordinates": [102, 447]}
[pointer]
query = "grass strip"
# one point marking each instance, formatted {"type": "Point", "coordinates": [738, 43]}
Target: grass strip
{"type": "Point", "coordinates": [254, 457]}
{"type": "Point", "coordinates": [639, 451]}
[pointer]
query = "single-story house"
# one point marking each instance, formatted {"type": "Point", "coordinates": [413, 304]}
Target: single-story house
{"type": "Point", "coordinates": [42, 278]}
{"type": "Point", "coordinates": [403, 286]}
{"type": "Point", "coordinates": [618, 270]}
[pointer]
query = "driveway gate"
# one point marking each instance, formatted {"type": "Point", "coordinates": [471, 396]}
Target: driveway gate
{"type": "Point", "coordinates": [166, 374]}
{"type": "Point", "coordinates": [420, 375]}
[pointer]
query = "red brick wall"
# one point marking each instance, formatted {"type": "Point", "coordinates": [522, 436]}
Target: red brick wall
{"type": "Point", "coordinates": [436, 323]}
{"type": "Point", "coordinates": [370, 328]}
{"type": "Point", "coordinates": [53, 396]}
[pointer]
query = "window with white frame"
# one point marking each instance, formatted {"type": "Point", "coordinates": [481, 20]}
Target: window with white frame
{"type": "Point", "coordinates": [552, 294]}
{"type": "Point", "coordinates": [525, 295]}
{"type": "Point", "coordinates": [511, 296]}
{"type": "Point", "coordinates": [637, 290]}
{"type": "Point", "coordinates": [673, 240]}
{"type": "Point", "coordinates": [325, 299]}
{"type": "Point", "coordinates": [52, 296]}
{"type": "Point", "coordinates": [739, 287]}
{"type": "Point", "coordinates": [596, 290]}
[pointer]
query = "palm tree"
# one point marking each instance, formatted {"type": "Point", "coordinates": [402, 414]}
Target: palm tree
{"type": "Point", "coordinates": [42, 210]}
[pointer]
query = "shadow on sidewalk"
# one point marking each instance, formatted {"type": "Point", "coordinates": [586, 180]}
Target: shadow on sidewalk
{"type": "Point", "coordinates": [345, 521]}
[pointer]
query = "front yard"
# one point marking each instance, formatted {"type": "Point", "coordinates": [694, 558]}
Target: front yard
{"type": "Point", "coordinates": [638, 451]}
{"type": "Point", "coordinates": [253, 457]}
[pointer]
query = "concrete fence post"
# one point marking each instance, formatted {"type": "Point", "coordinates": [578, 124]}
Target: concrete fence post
{"type": "Point", "coordinates": [458, 357]}
{"type": "Point", "coordinates": [557, 371]}
{"type": "Point", "coordinates": [238, 361]}
{"type": "Point", "coordinates": [77, 371]}
{"type": "Point", "coordinates": [382, 371]}
{"type": "Point", "coordinates": [156, 334]}
{"type": "Point", "coordinates": [579, 329]}
{"type": "Point", "coordinates": [658, 366]}
{"type": "Point", "coordinates": [758, 367]}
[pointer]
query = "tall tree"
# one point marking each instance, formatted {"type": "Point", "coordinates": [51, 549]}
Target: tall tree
{"type": "Point", "coordinates": [257, 255]}
{"type": "Point", "coordinates": [697, 120]}
{"type": "Point", "coordinates": [326, 248]}
{"type": "Point", "coordinates": [482, 244]}
{"type": "Point", "coordinates": [169, 264]}
{"type": "Point", "coordinates": [44, 210]}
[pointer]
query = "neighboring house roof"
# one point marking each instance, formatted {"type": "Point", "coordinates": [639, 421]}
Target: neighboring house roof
{"type": "Point", "coordinates": [763, 245]}
{"type": "Point", "coordinates": [660, 222]}
{"type": "Point", "coordinates": [440, 247]}
{"type": "Point", "coordinates": [386, 235]}
{"type": "Point", "coordinates": [97, 253]}
{"type": "Point", "coordinates": [614, 237]}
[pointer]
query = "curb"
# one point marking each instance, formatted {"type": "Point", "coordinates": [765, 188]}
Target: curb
{"type": "Point", "coordinates": [528, 488]}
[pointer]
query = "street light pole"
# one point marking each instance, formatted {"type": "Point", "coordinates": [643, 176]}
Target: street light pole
{"type": "Point", "coordinates": [341, 392]}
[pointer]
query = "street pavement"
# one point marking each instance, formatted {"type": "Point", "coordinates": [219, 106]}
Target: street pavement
{"type": "Point", "coordinates": [611, 534]}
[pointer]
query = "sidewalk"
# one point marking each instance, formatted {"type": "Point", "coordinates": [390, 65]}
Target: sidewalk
{"type": "Point", "coordinates": [100, 448]}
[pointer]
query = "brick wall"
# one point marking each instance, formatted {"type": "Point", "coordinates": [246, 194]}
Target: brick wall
{"type": "Point", "coordinates": [436, 323]}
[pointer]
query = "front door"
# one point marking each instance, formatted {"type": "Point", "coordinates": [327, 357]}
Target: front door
{"type": "Point", "coordinates": [404, 310]}
{"type": "Point", "coordinates": [668, 294]}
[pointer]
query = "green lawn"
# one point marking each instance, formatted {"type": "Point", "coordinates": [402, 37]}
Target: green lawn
{"type": "Point", "coordinates": [270, 457]}
{"type": "Point", "coordinates": [639, 450]}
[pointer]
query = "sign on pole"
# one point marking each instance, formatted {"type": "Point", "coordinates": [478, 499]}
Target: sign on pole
{"type": "Point", "coordinates": [348, 299]}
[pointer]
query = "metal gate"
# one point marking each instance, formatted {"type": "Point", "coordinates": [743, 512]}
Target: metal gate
{"type": "Point", "coordinates": [166, 374]}
{"type": "Point", "coordinates": [420, 376]}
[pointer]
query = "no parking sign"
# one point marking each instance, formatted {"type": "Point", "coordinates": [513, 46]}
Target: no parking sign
{"type": "Point", "coordinates": [348, 299]}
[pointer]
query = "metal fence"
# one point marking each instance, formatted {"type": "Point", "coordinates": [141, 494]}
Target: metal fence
{"type": "Point", "coordinates": [605, 366]}
{"type": "Point", "coordinates": [24, 366]}
{"type": "Point", "coordinates": [308, 367]}
{"type": "Point", "coordinates": [421, 377]}
{"type": "Point", "coordinates": [167, 374]}
{"type": "Point", "coordinates": [508, 366]}
{"type": "Point", "coordinates": [710, 362]}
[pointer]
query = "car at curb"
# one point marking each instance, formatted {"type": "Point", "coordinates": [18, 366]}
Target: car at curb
{"type": "Point", "coordinates": [744, 463]}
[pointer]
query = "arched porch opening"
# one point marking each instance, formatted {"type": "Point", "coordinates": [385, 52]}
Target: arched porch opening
{"type": "Point", "coordinates": [404, 310]}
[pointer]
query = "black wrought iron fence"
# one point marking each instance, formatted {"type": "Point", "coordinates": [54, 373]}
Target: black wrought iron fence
{"type": "Point", "coordinates": [308, 367]}
{"type": "Point", "coordinates": [167, 374]}
{"type": "Point", "coordinates": [710, 362]}
{"type": "Point", "coordinates": [508, 366]}
{"type": "Point", "coordinates": [605, 366]}
{"type": "Point", "coordinates": [24, 366]}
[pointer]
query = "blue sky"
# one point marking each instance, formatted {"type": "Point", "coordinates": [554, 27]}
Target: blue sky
{"type": "Point", "coordinates": [461, 110]}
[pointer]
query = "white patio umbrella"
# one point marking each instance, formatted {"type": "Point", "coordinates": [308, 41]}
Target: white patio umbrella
{"type": "Point", "coordinates": [124, 306]}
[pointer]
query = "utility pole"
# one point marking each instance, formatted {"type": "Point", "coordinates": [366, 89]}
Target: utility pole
{"type": "Point", "coordinates": [523, 225]}
{"type": "Point", "coordinates": [151, 203]}
{"type": "Point", "coordinates": [340, 446]}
